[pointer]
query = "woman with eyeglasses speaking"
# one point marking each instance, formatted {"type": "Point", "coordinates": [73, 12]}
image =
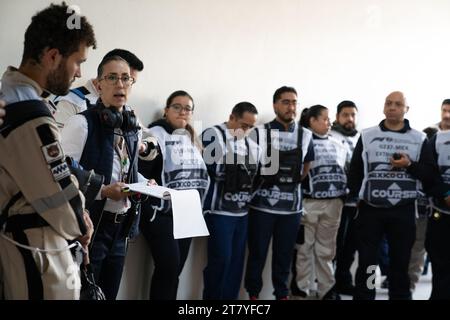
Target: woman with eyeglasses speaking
{"type": "Point", "coordinates": [179, 165]}
{"type": "Point", "coordinates": [106, 138]}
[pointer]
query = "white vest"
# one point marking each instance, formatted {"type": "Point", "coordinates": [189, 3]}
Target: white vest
{"type": "Point", "coordinates": [327, 178]}
{"type": "Point", "coordinates": [382, 185]}
{"type": "Point", "coordinates": [183, 166]}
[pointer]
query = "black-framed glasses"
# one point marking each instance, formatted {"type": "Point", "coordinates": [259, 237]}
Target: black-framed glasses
{"type": "Point", "coordinates": [113, 79]}
{"type": "Point", "coordinates": [178, 107]}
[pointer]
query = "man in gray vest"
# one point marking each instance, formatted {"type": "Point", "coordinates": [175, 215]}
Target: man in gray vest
{"type": "Point", "coordinates": [387, 164]}
{"type": "Point", "coordinates": [276, 206]}
{"type": "Point", "coordinates": [438, 229]}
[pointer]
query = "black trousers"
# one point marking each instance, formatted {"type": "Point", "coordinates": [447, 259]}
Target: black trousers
{"type": "Point", "coordinates": [282, 230]}
{"type": "Point", "coordinates": [437, 244]}
{"type": "Point", "coordinates": [345, 247]}
{"type": "Point", "coordinates": [399, 225]}
{"type": "Point", "coordinates": [169, 254]}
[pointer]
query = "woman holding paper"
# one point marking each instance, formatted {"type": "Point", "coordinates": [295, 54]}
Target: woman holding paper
{"type": "Point", "coordinates": [179, 165]}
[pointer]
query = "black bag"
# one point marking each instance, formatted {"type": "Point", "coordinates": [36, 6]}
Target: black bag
{"type": "Point", "coordinates": [89, 290]}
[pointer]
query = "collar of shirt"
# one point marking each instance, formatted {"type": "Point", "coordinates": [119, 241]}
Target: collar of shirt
{"type": "Point", "coordinates": [275, 124]}
{"type": "Point", "coordinates": [406, 127]}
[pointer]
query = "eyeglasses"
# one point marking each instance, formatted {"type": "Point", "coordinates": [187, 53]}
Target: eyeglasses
{"type": "Point", "coordinates": [113, 79]}
{"type": "Point", "coordinates": [287, 102]}
{"type": "Point", "coordinates": [178, 107]}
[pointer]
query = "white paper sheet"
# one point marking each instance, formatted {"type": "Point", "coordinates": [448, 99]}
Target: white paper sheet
{"type": "Point", "coordinates": [187, 211]}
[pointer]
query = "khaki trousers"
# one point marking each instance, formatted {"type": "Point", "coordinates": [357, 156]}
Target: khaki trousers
{"type": "Point", "coordinates": [321, 223]}
{"type": "Point", "coordinates": [57, 276]}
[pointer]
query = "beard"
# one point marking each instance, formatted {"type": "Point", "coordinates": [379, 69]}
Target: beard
{"type": "Point", "coordinates": [285, 117]}
{"type": "Point", "coordinates": [58, 81]}
{"type": "Point", "coordinates": [349, 126]}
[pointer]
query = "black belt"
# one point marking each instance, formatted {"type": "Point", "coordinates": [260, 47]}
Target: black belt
{"type": "Point", "coordinates": [21, 222]}
{"type": "Point", "coordinates": [114, 217]}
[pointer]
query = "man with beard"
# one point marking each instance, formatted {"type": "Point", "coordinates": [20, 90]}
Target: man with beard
{"type": "Point", "coordinates": [42, 206]}
{"type": "Point", "coordinates": [344, 129]}
{"type": "Point", "coordinates": [276, 206]}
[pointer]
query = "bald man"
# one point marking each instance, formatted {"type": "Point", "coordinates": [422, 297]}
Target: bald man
{"type": "Point", "coordinates": [388, 164]}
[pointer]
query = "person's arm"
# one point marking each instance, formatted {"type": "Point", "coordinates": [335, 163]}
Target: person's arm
{"type": "Point", "coordinates": [356, 172]}
{"type": "Point", "coordinates": [425, 169]}
{"type": "Point", "coordinates": [2, 111]}
{"type": "Point", "coordinates": [309, 157]}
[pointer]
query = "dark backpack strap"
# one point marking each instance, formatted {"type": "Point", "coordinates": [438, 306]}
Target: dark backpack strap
{"type": "Point", "coordinates": [300, 142]}
{"type": "Point", "coordinates": [269, 140]}
{"type": "Point", "coordinates": [5, 211]}
{"type": "Point", "coordinates": [21, 112]}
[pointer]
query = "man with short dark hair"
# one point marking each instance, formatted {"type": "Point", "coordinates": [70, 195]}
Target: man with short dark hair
{"type": "Point", "coordinates": [276, 206]}
{"type": "Point", "coordinates": [344, 129]}
{"type": "Point", "coordinates": [231, 159]}
{"type": "Point", "coordinates": [42, 206]}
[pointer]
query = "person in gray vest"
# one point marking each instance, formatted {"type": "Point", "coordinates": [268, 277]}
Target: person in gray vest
{"type": "Point", "coordinates": [324, 189]}
{"type": "Point", "coordinates": [344, 129]}
{"type": "Point", "coordinates": [388, 165]}
{"type": "Point", "coordinates": [231, 158]}
{"type": "Point", "coordinates": [79, 99]}
{"type": "Point", "coordinates": [424, 210]}
{"type": "Point", "coordinates": [438, 229]}
{"type": "Point", "coordinates": [179, 165]}
{"type": "Point", "coordinates": [276, 206]}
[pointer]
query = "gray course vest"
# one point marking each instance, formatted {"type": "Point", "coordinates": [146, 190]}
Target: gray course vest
{"type": "Point", "coordinates": [443, 160]}
{"type": "Point", "coordinates": [327, 178]}
{"type": "Point", "coordinates": [281, 198]}
{"type": "Point", "coordinates": [183, 165]}
{"type": "Point", "coordinates": [383, 186]}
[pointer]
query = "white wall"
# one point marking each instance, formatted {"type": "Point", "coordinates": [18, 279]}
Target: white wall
{"type": "Point", "coordinates": [226, 51]}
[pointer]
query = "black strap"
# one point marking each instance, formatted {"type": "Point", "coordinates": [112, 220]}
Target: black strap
{"type": "Point", "coordinates": [300, 142]}
{"type": "Point", "coordinates": [34, 280]}
{"type": "Point", "coordinates": [247, 145]}
{"type": "Point", "coordinates": [20, 222]}
{"type": "Point", "coordinates": [21, 112]}
{"type": "Point", "coordinates": [5, 211]}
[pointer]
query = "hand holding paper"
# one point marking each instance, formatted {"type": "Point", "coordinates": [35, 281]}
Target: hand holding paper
{"type": "Point", "coordinates": [188, 218]}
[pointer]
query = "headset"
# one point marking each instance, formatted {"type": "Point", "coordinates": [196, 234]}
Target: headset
{"type": "Point", "coordinates": [113, 119]}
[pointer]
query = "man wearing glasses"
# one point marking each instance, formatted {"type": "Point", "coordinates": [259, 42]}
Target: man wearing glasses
{"type": "Point", "coordinates": [275, 209]}
{"type": "Point", "coordinates": [105, 138]}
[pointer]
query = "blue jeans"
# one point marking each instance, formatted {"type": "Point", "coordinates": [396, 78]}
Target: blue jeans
{"type": "Point", "coordinates": [226, 252]}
